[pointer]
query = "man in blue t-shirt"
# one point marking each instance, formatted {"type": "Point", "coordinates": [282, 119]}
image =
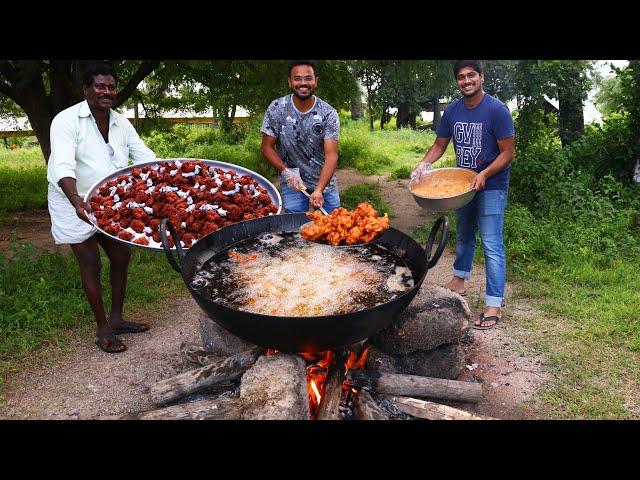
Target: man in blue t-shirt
{"type": "Point", "coordinates": [300, 134]}
{"type": "Point", "coordinates": [483, 138]}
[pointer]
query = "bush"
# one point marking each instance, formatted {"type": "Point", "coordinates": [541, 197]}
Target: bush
{"type": "Point", "coordinates": [364, 192]}
{"type": "Point", "coordinates": [401, 172]}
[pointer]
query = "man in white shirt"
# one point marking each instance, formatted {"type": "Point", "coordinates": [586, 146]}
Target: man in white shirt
{"type": "Point", "coordinates": [88, 141]}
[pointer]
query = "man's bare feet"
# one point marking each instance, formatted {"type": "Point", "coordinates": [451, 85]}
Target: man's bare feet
{"type": "Point", "coordinates": [456, 284]}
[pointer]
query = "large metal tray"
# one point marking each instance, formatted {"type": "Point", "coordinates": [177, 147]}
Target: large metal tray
{"type": "Point", "coordinates": [272, 191]}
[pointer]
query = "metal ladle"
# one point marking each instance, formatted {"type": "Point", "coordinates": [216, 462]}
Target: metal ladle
{"type": "Point", "coordinates": [303, 189]}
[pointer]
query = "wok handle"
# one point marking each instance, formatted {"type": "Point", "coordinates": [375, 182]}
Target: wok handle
{"type": "Point", "coordinates": [177, 266]}
{"type": "Point", "coordinates": [444, 221]}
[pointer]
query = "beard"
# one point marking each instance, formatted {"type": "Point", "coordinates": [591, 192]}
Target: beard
{"type": "Point", "coordinates": [303, 97]}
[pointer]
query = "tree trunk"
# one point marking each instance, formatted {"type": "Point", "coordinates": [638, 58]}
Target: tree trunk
{"type": "Point", "coordinates": [40, 120]}
{"type": "Point", "coordinates": [571, 116]}
{"type": "Point", "coordinates": [136, 116]}
{"type": "Point", "coordinates": [225, 119]}
{"type": "Point", "coordinates": [385, 117]}
{"type": "Point", "coordinates": [214, 119]}
{"type": "Point", "coordinates": [436, 114]}
{"type": "Point", "coordinates": [403, 115]}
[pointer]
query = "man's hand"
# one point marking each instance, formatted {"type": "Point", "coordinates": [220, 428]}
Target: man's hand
{"type": "Point", "coordinates": [292, 176]}
{"type": "Point", "coordinates": [479, 181]}
{"type": "Point", "coordinates": [81, 208]}
{"type": "Point", "coordinates": [419, 171]}
{"type": "Point", "coordinates": [316, 200]}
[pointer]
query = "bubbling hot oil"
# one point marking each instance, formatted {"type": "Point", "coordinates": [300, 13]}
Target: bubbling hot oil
{"type": "Point", "coordinates": [284, 275]}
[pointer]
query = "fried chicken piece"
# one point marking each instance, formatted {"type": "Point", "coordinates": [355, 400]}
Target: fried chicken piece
{"type": "Point", "coordinates": [360, 226]}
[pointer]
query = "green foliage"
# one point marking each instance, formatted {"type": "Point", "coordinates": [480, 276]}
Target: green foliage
{"type": "Point", "coordinates": [41, 296]}
{"type": "Point", "coordinates": [364, 192]}
{"type": "Point", "coordinates": [401, 172]}
{"type": "Point", "coordinates": [240, 145]}
{"type": "Point", "coordinates": [609, 96]}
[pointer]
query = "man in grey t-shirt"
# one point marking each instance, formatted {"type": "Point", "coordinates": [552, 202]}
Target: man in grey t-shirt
{"type": "Point", "coordinates": [300, 139]}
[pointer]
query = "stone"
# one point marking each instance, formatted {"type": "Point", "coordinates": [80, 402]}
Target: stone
{"type": "Point", "coordinates": [220, 341]}
{"type": "Point", "coordinates": [446, 361]}
{"type": "Point", "coordinates": [275, 388]}
{"type": "Point", "coordinates": [435, 317]}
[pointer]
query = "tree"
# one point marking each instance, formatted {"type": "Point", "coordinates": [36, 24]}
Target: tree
{"type": "Point", "coordinates": [630, 86]}
{"type": "Point", "coordinates": [609, 98]}
{"type": "Point", "coordinates": [500, 78]}
{"type": "Point", "coordinates": [568, 81]}
{"type": "Point", "coordinates": [43, 88]}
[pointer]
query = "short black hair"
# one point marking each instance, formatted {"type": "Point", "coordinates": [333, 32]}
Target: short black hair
{"type": "Point", "coordinates": [295, 63]}
{"type": "Point", "coordinates": [98, 68]}
{"type": "Point", "coordinates": [460, 64]}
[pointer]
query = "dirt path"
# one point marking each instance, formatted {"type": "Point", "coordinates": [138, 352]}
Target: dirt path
{"type": "Point", "coordinates": [87, 383]}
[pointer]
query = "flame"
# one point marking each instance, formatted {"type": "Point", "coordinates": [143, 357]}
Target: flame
{"type": "Point", "coordinates": [318, 368]}
{"type": "Point", "coordinates": [355, 361]}
{"type": "Point", "coordinates": [315, 391]}
{"type": "Point", "coordinates": [316, 377]}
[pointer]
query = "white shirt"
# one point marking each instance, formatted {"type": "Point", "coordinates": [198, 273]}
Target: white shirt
{"type": "Point", "coordinates": [79, 151]}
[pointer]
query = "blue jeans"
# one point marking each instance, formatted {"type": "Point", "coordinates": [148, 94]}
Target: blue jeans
{"type": "Point", "coordinates": [485, 211]}
{"type": "Point", "coordinates": [294, 201]}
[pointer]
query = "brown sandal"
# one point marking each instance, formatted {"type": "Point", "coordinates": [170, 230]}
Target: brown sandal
{"type": "Point", "coordinates": [109, 343]}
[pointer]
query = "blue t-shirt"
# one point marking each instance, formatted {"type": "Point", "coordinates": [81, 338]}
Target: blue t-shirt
{"type": "Point", "coordinates": [475, 132]}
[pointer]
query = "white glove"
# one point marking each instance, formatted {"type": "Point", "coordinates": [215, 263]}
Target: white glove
{"type": "Point", "coordinates": [419, 171]}
{"type": "Point", "coordinates": [292, 177]}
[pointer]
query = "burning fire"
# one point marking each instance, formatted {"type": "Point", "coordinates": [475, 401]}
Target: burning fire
{"type": "Point", "coordinates": [317, 369]}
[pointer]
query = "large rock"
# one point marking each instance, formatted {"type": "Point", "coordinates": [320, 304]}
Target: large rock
{"type": "Point", "coordinates": [435, 317]}
{"type": "Point", "coordinates": [220, 341]}
{"type": "Point", "coordinates": [446, 361]}
{"type": "Point", "coordinates": [275, 388]}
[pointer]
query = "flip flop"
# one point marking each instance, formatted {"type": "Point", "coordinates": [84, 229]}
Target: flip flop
{"type": "Point", "coordinates": [462, 294]}
{"type": "Point", "coordinates": [109, 343]}
{"type": "Point", "coordinates": [130, 327]}
{"type": "Point", "coordinates": [490, 318]}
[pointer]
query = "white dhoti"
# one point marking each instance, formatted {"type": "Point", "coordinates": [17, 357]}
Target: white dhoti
{"type": "Point", "coordinates": [66, 227]}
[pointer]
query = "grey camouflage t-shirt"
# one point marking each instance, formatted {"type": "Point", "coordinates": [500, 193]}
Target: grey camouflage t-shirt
{"type": "Point", "coordinates": [301, 136]}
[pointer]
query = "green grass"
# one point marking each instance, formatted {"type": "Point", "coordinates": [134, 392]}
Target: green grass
{"type": "Point", "coordinates": [580, 275]}
{"type": "Point", "coordinates": [21, 158]}
{"type": "Point", "coordinates": [23, 180]}
{"type": "Point", "coordinates": [42, 300]}
{"type": "Point", "coordinates": [588, 321]}
{"type": "Point", "coordinates": [365, 192]}
{"type": "Point", "coordinates": [589, 332]}
{"type": "Point", "coordinates": [385, 151]}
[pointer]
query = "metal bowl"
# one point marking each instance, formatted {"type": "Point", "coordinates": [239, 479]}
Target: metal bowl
{"type": "Point", "coordinates": [445, 204]}
{"type": "Point", "coordinates": [272, 191]}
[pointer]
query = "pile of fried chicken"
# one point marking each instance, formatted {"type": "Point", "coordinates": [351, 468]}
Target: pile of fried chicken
{"type": "Point", "coordinates": [342, 226]}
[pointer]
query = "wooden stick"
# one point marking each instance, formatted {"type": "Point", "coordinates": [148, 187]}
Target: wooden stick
{"type": "Point", "coordinates": [414, 385]}
{"type": "Point", "coordinates": [223, 408]}
{"type": "Point", "coordinates": [432, 411]}
{"type": "Point", "coordinates": [200, 379]}
{"type": "Point", "coordinates": [330, 400]}
{"type": "Point", "coordinates": [367, 408]}
{"type": "Point", "coordinates": [198, 354]}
